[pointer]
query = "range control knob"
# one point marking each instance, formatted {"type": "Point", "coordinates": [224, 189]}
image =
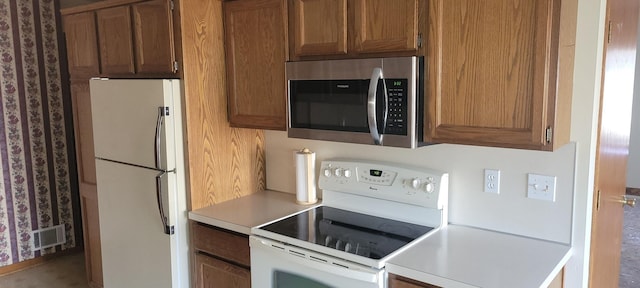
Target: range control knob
{"type": "Point", "coordinates": [347, 173]}
{"type": "Point", "coordinates": [326, 172]}
{"type": "Point", "coordinates": [415, 183]}
{"type": "Point", "coordinates": [430, 187]}
{"type": "Point", "coordinates": [338, 172]}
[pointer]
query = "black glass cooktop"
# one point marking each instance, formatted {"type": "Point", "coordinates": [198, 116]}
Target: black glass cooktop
{"type": "Point", "coordinates": [369, 236]}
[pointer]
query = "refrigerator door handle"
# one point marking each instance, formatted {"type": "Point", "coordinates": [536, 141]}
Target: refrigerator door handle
{"type": "Point", "coordinates": [167, 228]}
{"type": "Point", "coordinates": [159, 123]}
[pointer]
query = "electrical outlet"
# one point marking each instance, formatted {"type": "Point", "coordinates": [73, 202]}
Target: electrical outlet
{"type": "Point", "coordinates": [492, 181]}
{"type": "Point", "coordinates": [541, 187]}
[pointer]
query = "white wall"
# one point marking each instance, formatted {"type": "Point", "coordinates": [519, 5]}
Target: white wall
{"type": "Point", "coordinates": [633, 166]}
{"type": "Point", "coordinates": [510, 211]}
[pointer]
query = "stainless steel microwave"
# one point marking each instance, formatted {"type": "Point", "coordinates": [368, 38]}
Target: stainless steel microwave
{"type": "Point", "coordinates": [369, 101]}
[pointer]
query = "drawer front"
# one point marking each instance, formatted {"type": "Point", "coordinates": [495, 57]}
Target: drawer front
{"type": "Point", "coordinates": [221, 243]}
{"type": "Point", "coordinates": [396, 281]}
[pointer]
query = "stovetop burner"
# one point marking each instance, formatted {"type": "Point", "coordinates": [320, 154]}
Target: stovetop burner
{"type": "Point", "coordinates": [365, 235]}
{"type": "Point", "coordinates": [370, 212]}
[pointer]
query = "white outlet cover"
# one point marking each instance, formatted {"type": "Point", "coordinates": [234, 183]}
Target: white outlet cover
{"type": "Point", "coordinates": [541, 187]}
{"type": "Point", "coordinates": [492, 181]}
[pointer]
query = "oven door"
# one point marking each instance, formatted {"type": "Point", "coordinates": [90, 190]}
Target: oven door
{"type": "Point", "coordinates": [275, 265]}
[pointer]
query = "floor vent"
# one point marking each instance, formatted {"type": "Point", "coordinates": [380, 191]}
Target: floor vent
{"type": "Point", "coordinates": [49, 237]}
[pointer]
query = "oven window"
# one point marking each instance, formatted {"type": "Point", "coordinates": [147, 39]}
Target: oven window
{"type": "Point", "coordinates": [283, 279]}
{"type": "Point", "coordinates": [338, 105]}
{"type": "Point", "coordinates": [342, 105]}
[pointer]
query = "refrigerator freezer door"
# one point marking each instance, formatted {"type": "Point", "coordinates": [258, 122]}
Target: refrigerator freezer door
{"type": "Point", "coordinates": [135, 250]}
{"type": "Point", "coordinates": [129, 124]}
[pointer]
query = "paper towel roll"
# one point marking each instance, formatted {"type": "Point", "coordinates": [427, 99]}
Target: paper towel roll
{"type": "Point", "coordinates": [306, 177]}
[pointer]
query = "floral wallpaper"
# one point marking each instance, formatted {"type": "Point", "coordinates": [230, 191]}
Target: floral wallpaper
{"type": "Point", "coordinates": [35, 175]}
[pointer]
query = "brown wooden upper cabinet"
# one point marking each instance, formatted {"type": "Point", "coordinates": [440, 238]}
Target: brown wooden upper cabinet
{"type": "Point", "coordinates": [494, 76]}
{"type": "Point", "coordinates": [116, 40]}
{"type": "Point", "coordinates": [255, 46]}
{"type": "Point", "coordinates": [82, 44]}
{"type": "Point", "coordinates": [354, 28]}
{"type": "Point", "coordinates": [153, 34]}
{"type": "Point", "coordinates": [127, 38]}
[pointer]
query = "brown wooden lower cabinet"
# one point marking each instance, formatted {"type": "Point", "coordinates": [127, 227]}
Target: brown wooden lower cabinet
{"type": "Point", "coordinates": [221, 257]}
{"type": "Point", "coordinates": [396, 281]}
{"type": "Point", "coordinates": [212, 272]}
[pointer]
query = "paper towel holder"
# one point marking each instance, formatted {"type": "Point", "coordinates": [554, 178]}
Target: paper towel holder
{"type": "Point", "coordinates": [305, 177]}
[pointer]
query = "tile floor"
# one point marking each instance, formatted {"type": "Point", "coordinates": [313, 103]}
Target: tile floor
{"type": "Point", "coordinates": [63, 272]}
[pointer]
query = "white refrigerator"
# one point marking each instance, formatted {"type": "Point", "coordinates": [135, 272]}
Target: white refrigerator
{"type": "Point", "coordinates": [138, 141]}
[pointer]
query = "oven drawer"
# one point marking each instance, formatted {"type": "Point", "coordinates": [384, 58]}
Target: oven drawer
{"type": "Point", "coordinates": [222, 243]}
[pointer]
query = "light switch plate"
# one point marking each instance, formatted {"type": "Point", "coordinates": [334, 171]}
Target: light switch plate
{"type": "Point", "coordinates": [541, 187]}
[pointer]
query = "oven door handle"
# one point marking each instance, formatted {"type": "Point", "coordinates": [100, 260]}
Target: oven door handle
{"type": "Point", "coordinates": [284, 251]}
{"type": "Point", "coordinates": [372, 109]}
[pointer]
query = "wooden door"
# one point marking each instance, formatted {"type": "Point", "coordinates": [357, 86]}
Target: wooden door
{"type": "Point", "coordinates": [318, 27]}
{"type": "Point", "coordinates": [613, 142]}
{"type": "Point", "coordinates": [153, 31]}
{"type": "Point", "coordinates": [116, 40]}
{"type": "Point", "coordinates": [81, 104]}
{"type": "Point", "coordinates": [255, 44]}
{"type": "Point", "coordinates": [385, 25]}
{"type": "Point", "coordinates": [211, 272]}
{"type": "Point", "coordinates": [491, 79]}
{"type": "Point", "coordinates": [82, 44]}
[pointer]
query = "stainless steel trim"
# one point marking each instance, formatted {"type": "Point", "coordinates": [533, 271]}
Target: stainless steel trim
{"type": "Point", "coordinates": [372, 108]}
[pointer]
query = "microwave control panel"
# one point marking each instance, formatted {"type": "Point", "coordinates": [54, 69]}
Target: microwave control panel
{"type": "Point", "coordinates": [397, 107]}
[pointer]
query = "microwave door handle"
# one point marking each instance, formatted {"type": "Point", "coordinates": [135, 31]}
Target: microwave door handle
{"type": "Point", "coordinates": [372, 103]}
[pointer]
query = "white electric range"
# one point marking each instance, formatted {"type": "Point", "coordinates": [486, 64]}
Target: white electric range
{"type": "Point", "coordinates": [370, 212]}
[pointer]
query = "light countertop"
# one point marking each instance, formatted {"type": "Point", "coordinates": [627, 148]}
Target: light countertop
{"type": "Point", "coordinates": [453, 257]}
{"type": "Point", "coordinates": [241, 214]}
{"type": "Point", "coordinates": [460, 256]}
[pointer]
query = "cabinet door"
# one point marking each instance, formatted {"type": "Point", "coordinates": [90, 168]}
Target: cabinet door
{"type": "Point", "coordinates": [82, 44]}
{"type": "Point", "coordinates": [318, 27]}
{"type": "Point", "coordinates": [492, 76]}
{"type": "Point", "coordinates": [255, 44]}
{"type": "Point", "coordinates": [396, 281]}
{"type": "Point", "coordinates": [87, 180]}
{"type": "Point", "coordinates": [385, 25]}
{"type": "Point", "coordinates": [153, 27]}
{"type": "Point", "coordinates": [116, 41]}
{"type": "Point", "coordinates": [211, 272]}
